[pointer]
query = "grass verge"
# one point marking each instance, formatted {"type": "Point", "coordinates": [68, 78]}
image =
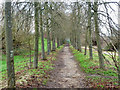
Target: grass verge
{"type": "Point", "coordinates": [95, 76]}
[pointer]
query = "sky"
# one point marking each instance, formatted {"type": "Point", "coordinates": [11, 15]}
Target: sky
{"type": "Point", "coordinates": [62, 0]}
{"type": "Point", "coordinates": [113, 14]}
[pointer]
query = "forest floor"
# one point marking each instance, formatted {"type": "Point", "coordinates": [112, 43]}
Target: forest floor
{"type": "Point", "coordinates": [67, 73]}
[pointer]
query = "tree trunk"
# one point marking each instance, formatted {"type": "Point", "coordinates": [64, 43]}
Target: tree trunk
{"type": "Point", "coordinates": [53, 41]}
{"type": "Point", "coordinates": [76, 42]}
{"type": "Point", "coordinates": [52, 30]}
{"type": "Point", "coordinates": [78, 30]}
{"type": "Point", "coordinates": [90, 31]}
{"type": "Point", "coordinates": [42, 34]}
{"type": "Point", "coordinates": [58, 44]}
{"type": "Point", "coordinates": [9, 46]}
{"type": "Point", "coordinates": [48, 32]}
{"type": "Point", "coordinates": [48, 41]}
{"type": "Point", "coordinates": [86, 41]}
{"type": "Point", "coordinates": [36, 35]}
{"type": "Point", "coordinates": [73, 30]}
{"type": "Point", "coordinates": [101, 60]}
{"type": "Point", "coordinates": [30, 53]}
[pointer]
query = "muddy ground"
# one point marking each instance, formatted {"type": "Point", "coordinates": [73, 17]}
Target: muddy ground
{"type": "Point", "coordinates": [67, 73]}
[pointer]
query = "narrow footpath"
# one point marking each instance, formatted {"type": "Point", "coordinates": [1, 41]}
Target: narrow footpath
{"type": "Point", "coordinates": [67, 73]}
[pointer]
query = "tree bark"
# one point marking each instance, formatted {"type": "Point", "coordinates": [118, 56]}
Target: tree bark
{"type": "Point", "coordinates": [36, 35]}
{"type": "Point", "coordinates": [86, 41]}
{"type": "Point", "coordinates": [101, 60]}
{"type": "Point", "coordinates": [47, 28]}
{"type": "Point", "coordinates": [90, 31]}
{"type": "Point", "coordinates": [30, 53]}
{"type": "Point", "coordinates": [78, 30]}
{"type": "Point", "coordinates": [58, 44]}
{"type": "Point", "coordinates": [9, 46]}
{"type": "Point", "coordinates": [42, 34]}
{"type": "Point", "coordinates": [53, 40]}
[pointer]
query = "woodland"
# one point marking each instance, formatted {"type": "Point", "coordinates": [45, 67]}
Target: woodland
{"type": "Point", "coordinates": [59, 44]}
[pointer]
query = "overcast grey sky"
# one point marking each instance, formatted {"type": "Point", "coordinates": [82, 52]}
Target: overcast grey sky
{"type": "Point", "coordinates": [113, 14]}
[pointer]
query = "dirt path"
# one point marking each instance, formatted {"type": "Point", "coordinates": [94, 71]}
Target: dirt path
{"type": "Point", "coordinates": [67, 73]}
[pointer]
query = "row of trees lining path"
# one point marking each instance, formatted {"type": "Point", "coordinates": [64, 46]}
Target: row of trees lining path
{"type": "Point", "coordinates": [52, 20]}
{"type": "Point", "coordinates": [38, 25]}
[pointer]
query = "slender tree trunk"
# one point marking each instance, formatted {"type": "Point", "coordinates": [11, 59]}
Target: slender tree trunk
{"type": "Point", "coordinates": [73, 30]}
{"type": "Point", "coordinates": [58, 44]}
{"type": "Point", "coordinates": [48, 41]}
{"type": "Point", "coordinates": [90, 31]}
{"type": "Point", "coordinates": [9, 46]}
{"type": "Point", "coordinates": [71, 36]}
{"type": "Point", "coordinates": [79, 41]}
{"type": "Point", "coordinates": [30, 52]}
{"type": "Point", "coordinates": [53, 41]}
{"type": "Point", "coordinates": [86, 42]}
{"type": "Point", "coordinates": [76, 42]}
{"type": "Point", "coordinates": [52, 31]}
{"type": "Point", "coordinates": [72, 39]}
{"type": "Point", "coordinates": [59, 41]}
{"type": "Point", "coordinates": [79, 30]}
{"type": "Point", "coordinates": [36, 36]}
{"type": "Point", "coordinates": [101, 60]}
{"type": "Point", "coordinates": [48, 31]}
{"type": "Point", "coordinates": [42, 34]}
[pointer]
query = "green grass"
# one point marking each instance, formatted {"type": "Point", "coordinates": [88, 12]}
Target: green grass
{"type": "Point", "coordinates": [102, 81]}
{"type": "Point", "coordinates": [92, 66]}
{"type": "Point", "coordinates": [43, 67]}
{"type": "Point", "coordinates": [45, 43]}
{"type": "Point", "coordinates": [19, 58]}
{"type": "Point", "coordinates": [20, 61]}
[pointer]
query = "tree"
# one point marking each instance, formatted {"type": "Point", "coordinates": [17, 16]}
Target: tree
{"type": "Point", "coordinates": [73, 32]}
{"type": "Point", "coordinates": [36, 35]}
{"type": "Point", "coordinates": [86, 41]}
{"type": "Point", "coordinates": [89, 30]}
{"type": "Point", "coordinates": [42, 34]}
{"type": "Point", "coordinates": [47, 28]}
{"type": "Point", "coordinates": [9, 46]}
{"type": "Point", "coordinates": [78, 29]}
{"type": "Point", "coordinates": [101, 60]}
{"type": "Point", "coordinates": [53, 28]}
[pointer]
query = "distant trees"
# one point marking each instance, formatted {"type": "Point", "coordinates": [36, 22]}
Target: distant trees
{"type": "Point", "coordinates": [46, 21]}
{"type": "Point", "coordinates": [75, 35]}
